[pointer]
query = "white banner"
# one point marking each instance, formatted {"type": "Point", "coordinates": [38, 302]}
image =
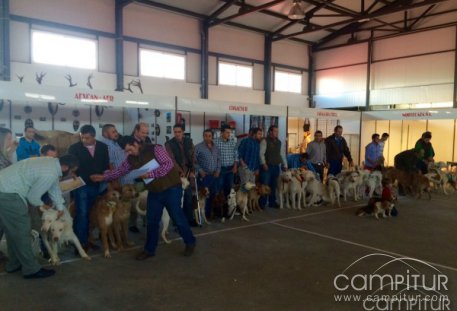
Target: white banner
{"type": "Point", "coordinates": [323, 114]}
{"type": "Point", "coordinates": [411, 114]}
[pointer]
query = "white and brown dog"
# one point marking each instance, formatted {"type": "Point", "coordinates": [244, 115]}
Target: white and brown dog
{"type": "Point", "coordinates": [56, 231]}
{"type": "Point", "coordinates": [296, 190]}
{"type": "Point", "coordinates": [284, 180]}
{"type": "Point", "coordinates": [242, 198]}
{"type": "Point", "coordinates": [350, 182]}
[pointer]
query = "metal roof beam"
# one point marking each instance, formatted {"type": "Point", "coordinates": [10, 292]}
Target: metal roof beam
{"type": "Point", "coordinates": [221, 9]}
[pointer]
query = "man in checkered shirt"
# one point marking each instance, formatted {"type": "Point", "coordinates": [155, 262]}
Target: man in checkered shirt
{"type": "Point", "coordinates": [229, 159]}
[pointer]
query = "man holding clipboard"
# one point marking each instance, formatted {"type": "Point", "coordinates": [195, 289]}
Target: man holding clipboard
{"type": "Point", "coordinates": [153, 164]}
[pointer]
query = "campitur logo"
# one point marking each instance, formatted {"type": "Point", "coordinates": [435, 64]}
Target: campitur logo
{"type": "Point", "coordinates": [384, 282]}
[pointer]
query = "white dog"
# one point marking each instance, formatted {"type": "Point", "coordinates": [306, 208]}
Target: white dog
{"type": "Point", "coordinates": [57, 232]}
{"type": "Point", "coordinates": [350, 182]}
{"type": "Point", "coordinates": [295, 190]}
{"type": "Point", "coordinates": [284, 180]}
{"type": "Point", "coordinates": [374, 183]}
{"type": "Point", "coordinates": [333, 190]}
{"type": "Point", "coordinates": [231, 203]}
{"type": "Point", "coordinates": [307, 178]}
{"type": "Point", "coordinates": [242, 198]}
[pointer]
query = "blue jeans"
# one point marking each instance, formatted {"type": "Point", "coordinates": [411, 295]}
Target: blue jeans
{"type": "Point", "coordinates": [171, 200]}
{"type": "Point", "coordinates": [270, 178]}
{"type": "Point", "coordinates": [187, 205]}
{"type": "Point", "coordinates": [84, 200]}
{"type": "Point", "coordinates": [335, 167]}
{"type": "Point", "coordinates": [226, 179]}
{"type": "Point", "coordinates": [212, 184]}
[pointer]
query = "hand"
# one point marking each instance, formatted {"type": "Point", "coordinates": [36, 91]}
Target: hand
{"type": "Point", "coordinates": [265, 167]}
{"type": "Point", "coordinates": [145, 176]}
{"type": "Point", "coordinates": [45, 206]}
{"type": "Point", "coordinates": [191, 175]}
{"type": "Point", "coordinates": [202, 174]}
{"type": "Point", "coordinates": [97, 177]}
{"type": "Point", "coordinates": [235, 169]}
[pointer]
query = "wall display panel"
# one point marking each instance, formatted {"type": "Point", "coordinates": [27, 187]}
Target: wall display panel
{"type": "Point", "coordinates": [394, 143]}
{"type": "Point", "coordinates": [90, 14]}
{"type": "Point", "coordinates": [442, 138]}
{"type": "Point", "coordinates": [149, 23]}
{"type": "Point", "coordinates": [5, 106]}
{"type": "Point", "coordinates": [160, 123]}
{"type": "Point", "coordinates": [232, 41]}
{"type": "Point", "coordinates": [413, 44]}
{"type": "Point", "coordinates": [412, 132]}
{"type": "Point", "coordinates": [353, 54]}
{"type": "Point", "coordinates": [290, 53]}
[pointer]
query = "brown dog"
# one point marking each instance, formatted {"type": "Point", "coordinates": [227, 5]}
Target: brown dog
{"type": "Point", "coordinates": [254, 196]}
{"type": "Point", "coordinates": [200, 204]}
{"type": "Point", "coordinates": [101, 216]}
{"type": "Point", "coordinates": [218, 205]}
{"type": "Point", "coordinates": [119, 230]}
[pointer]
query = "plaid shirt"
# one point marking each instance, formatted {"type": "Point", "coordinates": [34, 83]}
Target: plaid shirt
{"type": "Point", "coordinates": [208, 160]}
{"type": "Point", "coordinates": [31, 178]}
{"type": "Point", "coordinates": [227, 151]}
{"type": "Point", "coordinates": [161, 156]}
{"type": "Point", "coordinates": [117, 156]}
{"type": "Point", "coordinates": [249, 152]}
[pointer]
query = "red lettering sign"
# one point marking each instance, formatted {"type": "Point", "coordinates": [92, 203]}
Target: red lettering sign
{"type": "Point", "coordinates": [326, 114]}
{"type": "Point", "coordinates": [416, 114]}
{"type": "Point", "coordinates": [89, 96]}
{"type": "Point", "coordinates": [238, 108]}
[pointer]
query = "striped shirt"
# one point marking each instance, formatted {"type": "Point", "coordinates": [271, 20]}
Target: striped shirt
{"type": "Point", "coordinates": [208, 160]}
{"type": "Point", "coordinates": [161, 156]}
{"type": "Point", "coordinates": [227, 151]}
{"type": "Point", "coordinates": [249, 152]}
{"type": "Point", "coordinates": [31, 178]}
{"type": "Point", "coordinates": [117, 156]}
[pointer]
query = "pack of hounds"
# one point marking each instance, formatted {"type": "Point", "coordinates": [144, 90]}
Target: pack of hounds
{"type": "Point", "coordinates": [296, 189]}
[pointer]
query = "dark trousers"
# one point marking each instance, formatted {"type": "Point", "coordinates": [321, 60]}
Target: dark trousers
{"type": "Point", "coordinates": [187, 205]}
{"type": "Point", "coordinates": [319, 168]}
{"type": "Point", "coordinates": [171, 200]}
{"type": "Point", "coordinates": [226, 179]}
{"type": "Point", "coordinates": [84, 201]}
{"type": "Point", "coordinates": [422, 166]}
{"type": "Point", "coordinates": [270, 178]}
{"type": "Point", "coordinates": [335, 167]}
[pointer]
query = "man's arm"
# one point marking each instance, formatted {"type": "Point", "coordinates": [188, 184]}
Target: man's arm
{"type": "Point", "coordinates": [122, 170]}
{"type": "Point", "coordinates": [55, 193]}
{"type": "Point", "coordinates": [242, 152]}
{"type": "Point", "coordinates": [263, 149]}
{"type": "Point", "coordinates": [40, 187]}
{"type": "Point", "coordinates": [346, 151]}
{"type": "Point", "coordinates": [164, 160]}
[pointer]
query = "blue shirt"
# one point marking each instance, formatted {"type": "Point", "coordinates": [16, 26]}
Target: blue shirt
{"type": "Point", "coordinates": [27, 149]}
{"type": "Point", "coordinates": [208, 160]}
{"type": "Point", "coordinates": [249, 152]}
{"type": "Point", "coordinates": [372, 154]}
{"type": "Point", "coordinates": [117, 155]}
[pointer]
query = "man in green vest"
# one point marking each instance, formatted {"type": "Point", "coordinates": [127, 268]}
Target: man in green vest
{"type": "Point", "coordinates": [272, 155]}
{"type": "Point", "coordinates": [165, 190]}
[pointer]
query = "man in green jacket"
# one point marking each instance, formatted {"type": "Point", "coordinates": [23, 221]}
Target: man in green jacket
{"type": "Point", "coordinates": [425, 150]}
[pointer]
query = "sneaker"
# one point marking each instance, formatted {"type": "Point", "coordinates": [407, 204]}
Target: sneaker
{"type": "Point", "coordinates": [41, 274]}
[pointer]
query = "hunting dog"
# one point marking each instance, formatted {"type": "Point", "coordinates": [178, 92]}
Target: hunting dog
{"type": "Point", "coordinates": [242, 198]}
{"type": "Point", "coordinates": [101, 217]}
{"type": "Point", "coordinates": [56, 231]}
{"type": "Point", "coordinates": [383, 208]}
{"type": "Point", "coordinates": [295, 189]}
{"type": "Point", "coordinates": [284, 180]}
{"type": "Point", "coordinates": [254, 196]}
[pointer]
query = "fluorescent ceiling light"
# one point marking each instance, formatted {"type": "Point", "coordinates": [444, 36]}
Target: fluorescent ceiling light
{"type": "Point", "coordinates": [296, 12]}
{"type": "Point", "coordinates": [134, 102]}
{"type": "Point", "coordinates": [40, 96]}
{"type": "Point", "coordinates": [93, 100]}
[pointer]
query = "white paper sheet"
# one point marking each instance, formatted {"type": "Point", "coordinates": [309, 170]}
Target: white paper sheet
{"type": "Point", "coordinates": [150, 166]}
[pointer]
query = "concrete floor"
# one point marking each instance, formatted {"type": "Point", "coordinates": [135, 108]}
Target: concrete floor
{"type": "Point", "coordinates": [280, 260]}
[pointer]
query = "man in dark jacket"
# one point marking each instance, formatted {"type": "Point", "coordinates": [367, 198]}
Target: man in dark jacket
{"type": "Point", "coordinates": [94, 159]}
{"type": "Point", "coordinates": [407, 160]}
{"type": "Point", "coordinates": [181, 150]}
{"type": "Point", "coordinates": [337, 148]}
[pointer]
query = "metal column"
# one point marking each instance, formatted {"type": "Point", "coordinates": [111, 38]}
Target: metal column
{"type": "Point", "coordinates": [311, 78]}
{"type": "Point", "coordinates": [267, 69]}
{"type": "Point", "coordinates": [204, 41]}
{"type": "Point", "coordinates": [119, 25]}
{"type": "Point", "coordinates": [369, 60]}
{"type": "Point", "coordinates": [5, 73]}
{"type": "Point", "coordinates": [455, 71]}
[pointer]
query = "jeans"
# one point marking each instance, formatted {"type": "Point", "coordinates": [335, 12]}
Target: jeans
{"type": "Point", "coordinates": [335, 167]}
{"type": "Point", "coordinates": [84, 201]}
{"type": "Point", "coordinates": [171, 200]}
{"type": "Point", "coordinates": [319, 168]}
{"type": "Point", "coordinates": [212, 183]}
{"type": "Point", "coordinates": [187, 205]}
{"type": "Point", "coordinates": [270, 178]}
{"type": "Point", "coordinates": [226, 179]}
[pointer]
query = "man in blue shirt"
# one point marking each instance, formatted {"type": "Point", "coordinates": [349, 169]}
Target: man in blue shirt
{"type": "Point", "coordinates": [249, 154]}
{"type": "Point", "coordinates": [208, 165]}
{"type": "Point", "coordinates": [28, 147]}
{"type": "Point", "coordinates": [373, 154]}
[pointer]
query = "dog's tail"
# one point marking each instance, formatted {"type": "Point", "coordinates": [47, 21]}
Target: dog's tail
{"type": "Point", "coordinates": [138, 209]}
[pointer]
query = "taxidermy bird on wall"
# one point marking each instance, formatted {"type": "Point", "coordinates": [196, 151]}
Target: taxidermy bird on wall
{"type": "Point", "coordinates": [69, 79]}
{"type": "Point", "coordinates": [39, 77]}
{"type": "Point", "coordinates": [20, 78]}
{"type": "Point", "coordinates": [137, 83]}
{"type": "Point", "coordinates": [89, 83]}
{"type": "Point", "coordinates": [129, 88]}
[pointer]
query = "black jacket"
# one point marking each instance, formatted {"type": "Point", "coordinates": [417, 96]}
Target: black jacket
{"type": "Point", "coordinates": [334, 153]}
{"type": "Point", "coordinates": [89, 165]}
{"type": "Point", "coordinates": [406, 160]}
